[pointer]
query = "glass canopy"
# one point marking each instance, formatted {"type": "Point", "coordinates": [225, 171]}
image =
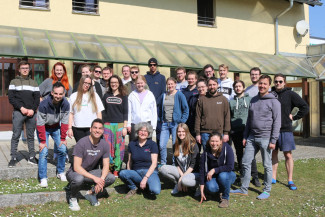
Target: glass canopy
{"type": "Point", "coordinates": [46, 44]}
{"type": "Point", "coordinates": [316, 55]}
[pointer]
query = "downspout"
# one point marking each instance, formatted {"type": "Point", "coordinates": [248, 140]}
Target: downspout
{"type": "Point", "coordinates": [276, 27]}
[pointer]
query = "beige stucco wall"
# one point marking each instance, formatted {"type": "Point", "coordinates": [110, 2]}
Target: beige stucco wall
{"type": "Point", "coordinates": [246, 25]}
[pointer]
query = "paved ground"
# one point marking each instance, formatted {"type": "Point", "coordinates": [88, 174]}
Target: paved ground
{"type": "Point", "coordinates": [306, 148]}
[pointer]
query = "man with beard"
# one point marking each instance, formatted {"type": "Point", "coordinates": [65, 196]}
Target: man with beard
{"type": "Point", "coordinates": [212, 114]}
{"type": "Point", "coordinates": [261, 132]}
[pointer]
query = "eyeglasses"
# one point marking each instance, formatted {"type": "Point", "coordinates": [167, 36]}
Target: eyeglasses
{"type": "Point", "coordinates": [143, 131]}
{"type": "Point", "coordinates": [152, 65]}
{"type": "Point", "coordinates": [134, 72]}
{"type": "Point", "coordinates": [24, 68]}
{"type": "Point", "coordinates": [86, 83]}
{"type": "Point", "coordinates": [98, 71]}
{"type": "Point", "coordinates": [280, 82]}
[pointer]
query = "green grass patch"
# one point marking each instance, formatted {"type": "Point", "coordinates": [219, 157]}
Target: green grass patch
{"type": "Point", "coordinates": [308, 200]}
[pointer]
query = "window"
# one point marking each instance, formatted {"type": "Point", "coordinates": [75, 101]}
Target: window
{"type": "Point", "coordinates": [35, 4]}
{"type": "Point", "coordinates": [85, 6]}
{"type": "Point", "coordinates": [205, 13]}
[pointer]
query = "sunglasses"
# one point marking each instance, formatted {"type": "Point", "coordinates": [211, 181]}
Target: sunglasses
{"type": "Point", "coordinates": [134, 72]}
{"type": "Point", "coordinates": [280, 82]}
{"type": "Point", "coordinates": [98, 71]}
{"type": "Point", "coordinates": [152, 64]}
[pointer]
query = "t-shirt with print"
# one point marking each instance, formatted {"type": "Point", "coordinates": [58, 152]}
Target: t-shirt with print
{"type": "Point", "coordinates": [141, 156]}
{"type": "Point", "coordinates": [91, 155]}
{"type": "Point", "coordinates": [116, 108]}
{"type": "Point", "coordinates": [85, 116]}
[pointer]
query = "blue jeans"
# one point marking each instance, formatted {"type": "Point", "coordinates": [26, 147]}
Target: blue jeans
{"type": "Point", "coordinates": [204, 139]}
{"type": "Point", "coordinates": [253, 144]}
{"type": "Point", "coordinates": [167, 128]}
{"type": "Point", "coordinates": [132, 178]}
{"type": "Point", "coordinates": [61, 151]}
{"type": "Point", "coordinates": [224, 180]}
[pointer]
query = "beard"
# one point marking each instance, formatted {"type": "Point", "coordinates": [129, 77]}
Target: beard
{"type": "Point", "coordinates": [212, 92]}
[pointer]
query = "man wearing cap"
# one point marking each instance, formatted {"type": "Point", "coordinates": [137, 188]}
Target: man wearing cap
{"type": "Point", "coordinates": [155, 80]}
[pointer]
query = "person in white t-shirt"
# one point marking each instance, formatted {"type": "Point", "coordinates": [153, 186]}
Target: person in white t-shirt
{"type": "Point", "coordinates": [85, 106]}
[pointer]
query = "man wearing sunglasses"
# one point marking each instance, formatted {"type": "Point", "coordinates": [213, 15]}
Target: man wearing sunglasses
{"type": "Point", "coordinates": [131, 86]}
{"type": "Point", "coordinates": [97, 73]}
{"type": "Point", "coordinates": [155, 80]}
{"type": "Point", "coordinates": [289, 100]}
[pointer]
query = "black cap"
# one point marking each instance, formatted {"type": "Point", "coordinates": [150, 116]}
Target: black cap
{"type": "Point", "coordinates": [152, 60]}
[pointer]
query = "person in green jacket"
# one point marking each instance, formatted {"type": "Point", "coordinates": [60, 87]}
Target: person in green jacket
{"type": "Point", "coordinates": [239, 106]}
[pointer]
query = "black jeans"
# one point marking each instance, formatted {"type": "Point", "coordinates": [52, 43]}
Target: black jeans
{"type": "Point", "coordinates": [237, 139]}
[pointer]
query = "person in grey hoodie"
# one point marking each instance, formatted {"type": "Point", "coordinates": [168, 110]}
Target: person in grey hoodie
{"type": "Point", "coordinates": [261, 132]}
{"type": "Point", "coordinates": [224, 83]}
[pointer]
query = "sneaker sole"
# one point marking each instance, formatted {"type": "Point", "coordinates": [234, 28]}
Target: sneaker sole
{"type": "Point", "coordinates": [32, 163]}
{"type": "Point", "coordinates": [239, 194]}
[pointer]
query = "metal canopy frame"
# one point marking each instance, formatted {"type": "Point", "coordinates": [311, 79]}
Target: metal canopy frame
{"type": "Point", "coordinates": [48, 44]}
{"type": "Point", "coordinates": [310, 2]}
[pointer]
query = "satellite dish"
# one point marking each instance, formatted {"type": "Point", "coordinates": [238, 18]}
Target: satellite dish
{"type": "Point", "coordinates": [302, 28]}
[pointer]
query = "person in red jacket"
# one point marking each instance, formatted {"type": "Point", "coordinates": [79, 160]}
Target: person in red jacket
{"type": "Point", "coordinates": [52, 119]}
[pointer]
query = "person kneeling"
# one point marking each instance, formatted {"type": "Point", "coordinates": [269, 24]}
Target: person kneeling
{"type": "Point", "coordinates": [142, 162]}
{"type": "Point", "coordinates": [216, 169]}
{"type": "Point", "coordinates": [87, 156]}
{"type": "Point", "coordinates": [185, 172]}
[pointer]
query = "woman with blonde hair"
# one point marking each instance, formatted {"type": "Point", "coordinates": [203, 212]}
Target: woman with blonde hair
{"type": "Point", "coordinates": [85, 106]}
{"type": "Point", "coordinates": [185, 173]}
{"type": "Point", "coordinates": [142, 106]}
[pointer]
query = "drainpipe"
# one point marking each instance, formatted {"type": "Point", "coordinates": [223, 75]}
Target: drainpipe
{"type": "Point", "coordinates": [276, 27]}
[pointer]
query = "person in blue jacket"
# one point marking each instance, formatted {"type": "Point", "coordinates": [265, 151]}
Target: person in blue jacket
{"type": "Point", "coordinates": [216, 169]}
{"type": "Point", "coordinates": [172, 110]}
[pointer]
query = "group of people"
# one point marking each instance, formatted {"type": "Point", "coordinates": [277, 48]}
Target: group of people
{"type": "Point", "coordinates": [203, 116]}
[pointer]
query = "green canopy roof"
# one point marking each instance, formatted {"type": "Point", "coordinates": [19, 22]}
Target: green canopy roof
{"type": "Point", "coordinates": [46, 44]}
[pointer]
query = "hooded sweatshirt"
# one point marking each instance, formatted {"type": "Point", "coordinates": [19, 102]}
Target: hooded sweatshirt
{"type": "Point", "coordinates": [239, 112]}
{"type": "Point", "coordinates": [289, 99]}
{"type": "Point", "coordinates": [212, 114]}
{"type": "Point", "coordinates": [224, 163]}
{"type": "Point", "coordinates": [24, 92]}
{"type": "Point", "coordinates": [225, 87]}
{"type": "Point", "coordinates": [156, 83]}
{"type": "Point", "coordinates": [264, 117]}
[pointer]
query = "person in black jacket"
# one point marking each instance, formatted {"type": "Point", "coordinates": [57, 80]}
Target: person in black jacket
{"type": "Point", "coordinates": [24, 96]}
{"type": "Point", "coordinates": [289, 100]}
{"type": "Point", "coordinates": [216, 169]}
{"type": "Point", "coordinates": [186, 152]}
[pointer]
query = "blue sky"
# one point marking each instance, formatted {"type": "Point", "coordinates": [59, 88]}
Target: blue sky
{"type": "Point", "coordinates": [317, 20]}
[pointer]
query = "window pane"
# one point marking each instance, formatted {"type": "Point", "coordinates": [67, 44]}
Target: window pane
{"type": "Point", "coordinates": [115, 49]}
{"type": "Point", "coordinates": [85, 6]}
{"type": "Point", "coordinates": [39, 71]}
{"type": "Point", "coordinates": [65, 45]}
{"type": "Point", "coordinates": [91, 47]}
{"type": "Point", "coordinates": [10, 42]}
{"type": "Point", "coordinates": [180, 55]}
{"type": "Point", "coordinates": [137, 50]}
{"type": "Point", "coordinates": [37, 43]}
{"type": "Point", "coordinates": [161, 54]}
{"type": "Point", "coordinates": [9, 73]}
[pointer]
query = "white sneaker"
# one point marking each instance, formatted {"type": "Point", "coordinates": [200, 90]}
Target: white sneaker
{"type": "Point", "coordinates": [43, 183]}
{"type": "Point", "coordinates": [73, 204]}
{"type": "Point", "coordinates": [92, 198]}
{"type": "Point", "coordinates": [62, 177]}
{"type": "Point", "coordinates": [175, 190]}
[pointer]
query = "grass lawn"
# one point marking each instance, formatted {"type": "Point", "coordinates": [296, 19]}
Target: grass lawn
{"type": "Point", "coordinates": [308, 200]}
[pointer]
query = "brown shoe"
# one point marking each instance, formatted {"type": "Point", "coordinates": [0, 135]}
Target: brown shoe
{"type": "Point", "coordinates": [224, 203]}
{"type": "Point", "coordinates": [131, 193]}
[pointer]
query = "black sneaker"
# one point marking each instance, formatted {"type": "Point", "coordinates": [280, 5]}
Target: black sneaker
{"type": "Point", "coordinates": [256, 182]}
{"type": "Point", "coordinates": [12, 163]}
{"type": "Point", "coordinates": [32, 161]}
